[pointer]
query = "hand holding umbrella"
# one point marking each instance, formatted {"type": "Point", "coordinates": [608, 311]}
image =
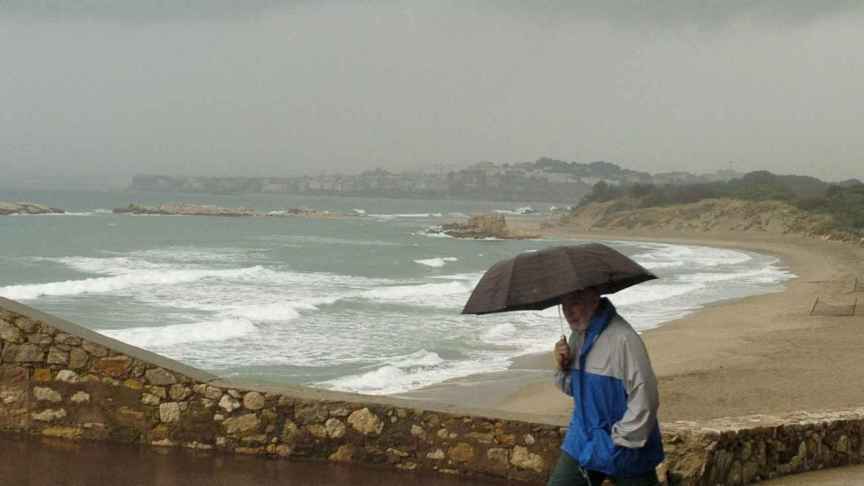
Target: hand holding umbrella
{"type": "Point", "coordinates": [562, 353]}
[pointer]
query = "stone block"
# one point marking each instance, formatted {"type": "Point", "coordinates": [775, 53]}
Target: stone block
{"type": "Point", "coordinates": [133, 384]}
{"type": "Point", "coordinates": [43, 394]}
{"type": "Point", "coordinates": [242, 425]}
{"type": "Point", "coordinates": [94, 349]}
{"type": "Point", "coordinates": [68, 376]}
{"type": "Point", "coordinates": [26, 325]}
{"type": "Point", "coordinates": [524, 459]}
{"type": "Point", "coordinates": [310, 412]}
{"type": "Point", "coordinates": [23, 353]}
{"type": "Point", "coordinates": [169, 412]}
{"type": "Point", "coordinates": [68, 433]}
{"type": "Point", "coordinates": [42, 375]}
{"type": "Point", "coordinates": [461, 452]}
{"type": "Point", "coordinates": [10, 333]}
{"type": "Point", "coordinates": [114, 367]}
{"type": "Point", "coordinates": [254, 401]}
{"type": "Point", "coordinates": [228, 403]}
{"type": "Point", "coordinates": [151, 400]}
{"type": "Point", "coordinates": [80, 397]}
{"type": "Point", "coordinates": [366, 422]}
{"type": "Point", "coordinates": [179, 392]}
{"type": "Point", "coordinates": [40, 339]}
{"type": "Point", "coordinates": [160, 377]}
{"type": "Point", "coordinates": [14, 398]}
{"type": "Point", "coordinates": [335, 428]}
{"type": "Point", "coordinates": [78, 358]}
{"type": "Point", "coordinates": [290, 433]}
{"type": "Point", "coordinates": [66, 339]}
{"type": "Point", "coordinates": [49, 415]}
{"type": "Point", "coordinates": [57, 356]}
{"type": "Point", "coordinates": [343, 454]}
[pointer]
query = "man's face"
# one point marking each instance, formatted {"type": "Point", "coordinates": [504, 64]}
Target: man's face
{"type": "Point", "coordinates": [578, 307]}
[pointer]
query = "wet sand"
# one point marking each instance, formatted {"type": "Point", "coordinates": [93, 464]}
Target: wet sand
{"type": "Point", "coordinates": [757, 355]}
{"type": "Point", "coordinates": [38, 462]}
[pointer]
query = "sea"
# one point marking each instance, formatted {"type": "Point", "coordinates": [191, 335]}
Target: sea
{"type": "Point", "coordinates": [369, 303]}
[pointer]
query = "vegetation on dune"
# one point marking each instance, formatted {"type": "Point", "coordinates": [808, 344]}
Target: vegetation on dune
{"type": "Point", "coordinates": [844, 201]}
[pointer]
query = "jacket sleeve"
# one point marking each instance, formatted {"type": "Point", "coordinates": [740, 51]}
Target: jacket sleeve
{"type": "Point", "coordinates": [643, 400]}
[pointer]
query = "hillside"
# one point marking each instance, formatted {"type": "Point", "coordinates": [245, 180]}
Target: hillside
{"type": "Point", "coordinates": [706, 216]}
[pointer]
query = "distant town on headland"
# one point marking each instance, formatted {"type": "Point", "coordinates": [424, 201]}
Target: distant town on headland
{"type": "Point", "coordinates": [542, 180]}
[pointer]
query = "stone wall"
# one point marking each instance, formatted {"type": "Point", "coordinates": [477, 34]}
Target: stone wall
{"type": "Point", "coordinates": [58, 379]}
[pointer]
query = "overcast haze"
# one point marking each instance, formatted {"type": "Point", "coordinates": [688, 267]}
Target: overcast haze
{"type": "Point", "coordinates": [266, 87]}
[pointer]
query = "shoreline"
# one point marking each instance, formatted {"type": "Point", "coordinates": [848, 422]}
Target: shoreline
{"type": "Point", "coordinates": [708, 365]}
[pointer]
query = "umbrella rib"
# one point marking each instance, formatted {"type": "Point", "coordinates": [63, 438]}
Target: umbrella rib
{"type": "Point", "coordinates": [510, 285]}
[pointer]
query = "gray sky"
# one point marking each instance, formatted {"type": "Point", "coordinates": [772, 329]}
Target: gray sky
{"type": "Point", "coordinates": [269, 87]}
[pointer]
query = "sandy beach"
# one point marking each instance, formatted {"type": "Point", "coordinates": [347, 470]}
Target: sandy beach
{"type": "Point", "coordinates": [757, 355]}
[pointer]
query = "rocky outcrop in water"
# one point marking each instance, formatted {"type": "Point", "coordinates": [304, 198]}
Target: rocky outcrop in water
{"type": "Point", "coordinates": [183, 209]}
{"type": "Point", "coordinates": [8, 208]}
{"type": "Point", "coordinates": [481, 227]}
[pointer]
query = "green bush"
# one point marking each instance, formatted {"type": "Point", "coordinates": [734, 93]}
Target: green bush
{"type": "Point", "coordinates": [844, 202]}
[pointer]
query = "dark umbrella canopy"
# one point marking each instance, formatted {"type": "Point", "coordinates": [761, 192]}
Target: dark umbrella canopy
{"type": "Point", "coordinates": [537, 280]}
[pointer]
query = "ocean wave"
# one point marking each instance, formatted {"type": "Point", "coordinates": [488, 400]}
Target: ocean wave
{"type": "Point", "coordinates": [448, 294]}
{"type": "Point", "coordinates": [654, 292]}
{"type": "Point", "coordinates": [166, 336]}
{"type": "Point", "coordinates": [436, 262]}
{"type": "Point", "coordinates": [471, 277]}
{"type": "Point", "coordinates": [300, 240]}
{"type": "Point", "coordinates": [158, 277]}
{"type": "Point", "coordinates": [406, 216]}
{"type": "Point", "coordinates": [499, 332]}
{"type": "Point", "coordinates": [432, 232]}
{"type": "Point", "coordinates": [766, 275]}
{"type": "Point", "coordinates": [668, 255]}
{"type": "Point", "coordinates": [100, 284]}
{"type": "Point", "coordinates": [406, 374]}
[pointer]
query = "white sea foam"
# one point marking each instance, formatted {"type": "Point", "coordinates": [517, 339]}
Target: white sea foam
{"type": "Point", "coordinates": [386, 217]}
{"type": "Point", "coordinates": [448, 294]}
{"type": "Point", "coordinates": [668, 255]}
{"type": "Point", "coordinates": [655, 291]}
{"type": "Point", "coordinates": [764, 275]}
{"type": "Point", "coordinates": [432, 232]}
{"type": "Point", "coordinates": [405, 375]}
{"type": "Point", "coordinates": [106, 284]}
{"type": "Point", "coordinates": [272, 312]}
{"type": "Point", "coordinates": [436, 262]}
{"type": "Point", "coordinates": [162, 278]}
{"type": "Point", "coordinates": [499, 332]}
{"type": "Point", "coordinates": [247, 312]}
{"type": "Point", "coordinates": [303, 240]}
{"type": "Point", "coordinates": [165, 336]}
{"type": "Point", "coordinates": [471, 277]}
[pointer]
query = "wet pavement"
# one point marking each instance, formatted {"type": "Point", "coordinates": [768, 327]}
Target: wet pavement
{"type": "Point", "coordinates": [39, 462]}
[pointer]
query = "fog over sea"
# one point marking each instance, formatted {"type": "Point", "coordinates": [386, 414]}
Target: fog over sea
{"type": "Point", "coordinates": [368, 304]}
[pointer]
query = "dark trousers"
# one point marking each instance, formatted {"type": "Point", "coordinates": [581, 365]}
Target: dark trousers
{"type": "Point", "coordinates": [568, 472]}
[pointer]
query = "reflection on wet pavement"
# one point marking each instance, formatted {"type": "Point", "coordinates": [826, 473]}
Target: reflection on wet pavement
{"type": "Point", "coordinates": [39, 462]}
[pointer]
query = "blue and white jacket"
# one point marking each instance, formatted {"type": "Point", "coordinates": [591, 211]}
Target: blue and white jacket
{"type": "Point", "coordinates": [614, 427]}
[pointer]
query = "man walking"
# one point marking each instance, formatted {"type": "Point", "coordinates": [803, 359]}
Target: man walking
{"type": "Point", "coordinates": [605, 368]}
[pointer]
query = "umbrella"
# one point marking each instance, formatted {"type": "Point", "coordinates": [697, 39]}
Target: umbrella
{"type": "Point", "coordinates": [537, 280]}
